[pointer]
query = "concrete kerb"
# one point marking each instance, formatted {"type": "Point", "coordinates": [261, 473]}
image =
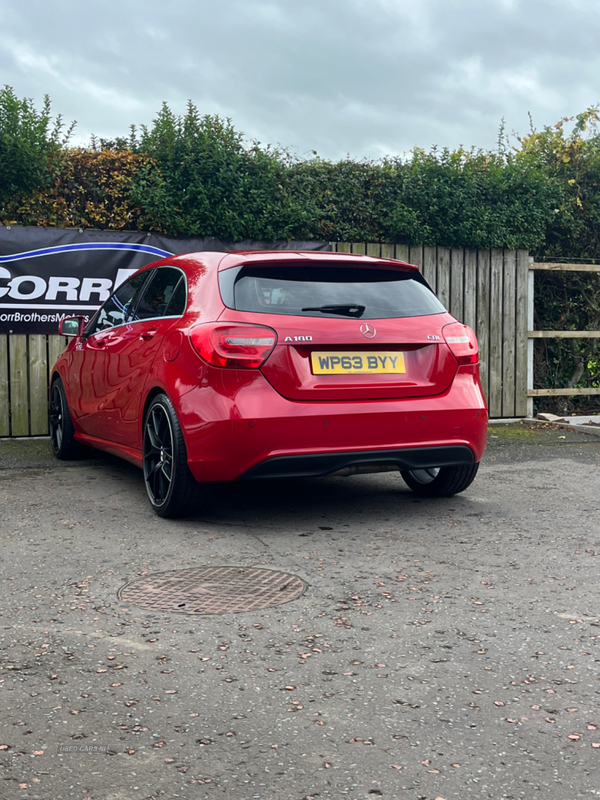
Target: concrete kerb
{"type": "Point", "coordinates": [589, 429]}
{"type": "Point", "coordinates": [574, 426]}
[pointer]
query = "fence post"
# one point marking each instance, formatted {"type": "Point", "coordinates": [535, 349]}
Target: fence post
{"type": "Point", "coordinates": [530, 322]}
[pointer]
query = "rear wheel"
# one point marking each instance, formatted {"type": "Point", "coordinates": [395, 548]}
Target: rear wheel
{"type": "Point", "coordinates": [62, 432]}
{"type": "Point", "coordinates": [171, 487]}
{"type": "Point", "coordinates": [440, 481]}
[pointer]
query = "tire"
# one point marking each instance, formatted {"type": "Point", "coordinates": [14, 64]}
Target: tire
{"type": "Point", "coordinates": [440, 481]}
{"type": "Point", "coordinates": [171, 487]}
{"type": "Point", "coordinates": [60, 424]}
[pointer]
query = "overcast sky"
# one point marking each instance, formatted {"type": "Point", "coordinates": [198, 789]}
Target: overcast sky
{"type": "Point", "coordinates": [360, 77]}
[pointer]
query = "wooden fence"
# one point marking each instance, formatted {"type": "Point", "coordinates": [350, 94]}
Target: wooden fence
{"type": "Point", "coordinates": [25, 364]}
{"type": "Point", "coordinates": [486, 289]}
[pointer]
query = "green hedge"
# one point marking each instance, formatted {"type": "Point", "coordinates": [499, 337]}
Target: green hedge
{"type": "Point", "coordinates": [197, 175]}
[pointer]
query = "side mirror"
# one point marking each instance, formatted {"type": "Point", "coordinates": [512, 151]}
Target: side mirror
{"type": "Point", "coordinates": [71, 326]}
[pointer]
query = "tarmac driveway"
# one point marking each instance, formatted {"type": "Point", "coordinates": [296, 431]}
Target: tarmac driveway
{"type": "Point", "coordinates": [442, 648]}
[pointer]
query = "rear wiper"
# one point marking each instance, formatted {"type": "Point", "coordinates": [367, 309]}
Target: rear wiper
{"type": "Point", "coordinates": [345, 310]}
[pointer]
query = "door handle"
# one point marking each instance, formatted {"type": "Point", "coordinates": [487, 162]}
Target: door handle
{"type": "Point", "coordinates": [147, 335]}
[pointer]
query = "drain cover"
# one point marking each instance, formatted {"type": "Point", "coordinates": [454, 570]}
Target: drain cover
{"type": "Point", "coordinates": [213, 590]}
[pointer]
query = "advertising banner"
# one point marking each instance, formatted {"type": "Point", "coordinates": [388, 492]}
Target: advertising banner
{"type": "Point", "coordinates": [47, 274]}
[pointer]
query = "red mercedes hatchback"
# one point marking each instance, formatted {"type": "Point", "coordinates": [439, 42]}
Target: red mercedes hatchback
{"type": "Point", "coordinates": [238, 366]}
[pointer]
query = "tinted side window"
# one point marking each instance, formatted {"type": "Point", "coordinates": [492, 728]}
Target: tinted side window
{"type": "Point", "coordinates": [313, 290]}
{"type": "Point", "coordinates": [158, 294]}
{"type": "Point", "coordinates": [178, 300]}
{"type": "Point", "coordinates": [117, 308]}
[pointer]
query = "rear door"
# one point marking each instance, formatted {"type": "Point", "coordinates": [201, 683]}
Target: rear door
{"type": "Point", "coordinates": [347, 332]}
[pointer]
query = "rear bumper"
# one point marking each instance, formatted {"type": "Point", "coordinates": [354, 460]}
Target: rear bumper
{"type": "Point", "coordinates": [250, 431]}
{"type": "Point", "coordinates": [319, 464]}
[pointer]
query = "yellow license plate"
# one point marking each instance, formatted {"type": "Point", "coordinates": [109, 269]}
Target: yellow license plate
{"type": "Point", "coordinates": [373, 363]}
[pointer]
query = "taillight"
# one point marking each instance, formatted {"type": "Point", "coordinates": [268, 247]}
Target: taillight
{"type": "Point", "coordinates": [462, 341]}
{"type": "Point", "coordinates": [234, 346]}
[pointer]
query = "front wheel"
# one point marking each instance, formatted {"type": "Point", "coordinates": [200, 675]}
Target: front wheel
{"type": "Point", "coordinates": [440, 481]}
{"type": "Point", "coordinates": [62, 432]}
{"type": "Point", "coordinates": [171, 487]}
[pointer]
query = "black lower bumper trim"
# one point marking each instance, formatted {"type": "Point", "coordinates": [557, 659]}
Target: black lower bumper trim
{"type": "Point", "coordinates": [317, 465]}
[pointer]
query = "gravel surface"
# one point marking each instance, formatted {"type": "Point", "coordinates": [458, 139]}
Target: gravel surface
{"type": "Point", "coordinates": [443, 648]}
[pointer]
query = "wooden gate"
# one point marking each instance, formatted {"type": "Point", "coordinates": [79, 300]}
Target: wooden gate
{"type": "Point", "coordinates": [486, 289]}
{"type": "Point", "coordinates": [568, 391]}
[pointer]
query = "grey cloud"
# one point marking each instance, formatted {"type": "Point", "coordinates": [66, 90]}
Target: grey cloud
{"type": "Point", "coordinates": [364, 77]}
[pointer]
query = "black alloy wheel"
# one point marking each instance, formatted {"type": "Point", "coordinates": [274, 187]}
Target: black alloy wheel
{"type": "Point", "coordinates": [62, 432]}
{"type": "Point", "coordinates": [440, 481]}
{"type": "Point", "coordinates": [171, 487]}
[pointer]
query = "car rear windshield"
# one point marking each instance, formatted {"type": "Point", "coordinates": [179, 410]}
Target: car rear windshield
{"type": "Point", "coordinates": [324, 291]}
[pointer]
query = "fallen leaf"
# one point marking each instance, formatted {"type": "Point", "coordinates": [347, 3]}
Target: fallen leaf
{"type": "Point", "coordinates": [498, 703]}
{"type": "Point", "coordinates": [396, 766]}
{"type": "Point", "coordinates": [574, 737]}
{"type": "Point", "coordinates": [596, 745]}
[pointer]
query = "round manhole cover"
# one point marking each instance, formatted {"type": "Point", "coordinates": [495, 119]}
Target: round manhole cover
{"type": "Point", "coordinates": [213, 590]}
